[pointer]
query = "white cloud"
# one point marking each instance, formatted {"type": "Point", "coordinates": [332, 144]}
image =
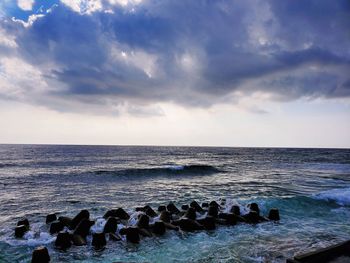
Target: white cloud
{"type": "Point", "coordinates": [19, 80]}
{"type": "Point", "coordinates": [7, 40]}
{"type": "Point", "coordinates": [26, 5]}
{"type": "Point", "coordinates": [124, 2]}
{"type": "Point", "coordinates": [84, 6]}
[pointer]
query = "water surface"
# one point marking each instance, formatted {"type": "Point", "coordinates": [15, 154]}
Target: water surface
{"type": "Point", "coordinates": [311, 187]}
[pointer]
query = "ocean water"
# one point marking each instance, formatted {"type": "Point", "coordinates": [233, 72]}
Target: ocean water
{"type": "Point", "coordinates": [311, 188]}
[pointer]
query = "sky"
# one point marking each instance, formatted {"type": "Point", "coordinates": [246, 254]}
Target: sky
{"type": "Point", "coordinates": [265, 73]}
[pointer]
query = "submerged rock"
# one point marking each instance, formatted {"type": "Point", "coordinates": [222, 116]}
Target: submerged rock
{"type": "Point", "coordinates": [40, 255]}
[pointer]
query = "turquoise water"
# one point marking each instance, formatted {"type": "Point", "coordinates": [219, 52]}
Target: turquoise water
{"type": "Point", "coordinates": [311, 187]}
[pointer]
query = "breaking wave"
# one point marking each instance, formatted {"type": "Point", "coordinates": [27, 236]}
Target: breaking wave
{"type": "Point", "coordinates": [196, 169]}
{"type": "Point", "coordinates": [341, 196]}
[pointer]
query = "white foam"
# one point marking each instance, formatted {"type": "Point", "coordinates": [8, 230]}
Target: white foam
{"type": "Point", "coordinates": [340, 195]}
{"type": "Point", "coordinates": [98, 226]}
{"type": "Point", "coordinates": [32, 238]}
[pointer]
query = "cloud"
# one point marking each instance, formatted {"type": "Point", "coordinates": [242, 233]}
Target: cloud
{"type": "Point", "coordinates": [26, 5]}
{"type": "Point", "coordinates": [192, 53]}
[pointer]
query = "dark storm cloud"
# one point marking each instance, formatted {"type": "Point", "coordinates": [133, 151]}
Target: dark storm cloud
{"type": "Point", "coordinates": [190, 52]}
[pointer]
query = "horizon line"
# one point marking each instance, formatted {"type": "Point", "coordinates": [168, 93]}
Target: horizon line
{"type": "Point", "coordinates": [184, 146]}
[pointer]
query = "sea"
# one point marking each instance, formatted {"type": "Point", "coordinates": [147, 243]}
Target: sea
{"type": "Point", "coordinates": [310, 187]}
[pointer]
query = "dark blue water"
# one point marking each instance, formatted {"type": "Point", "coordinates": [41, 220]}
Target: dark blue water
{"type": "Point", "coordinates": [311, 187]}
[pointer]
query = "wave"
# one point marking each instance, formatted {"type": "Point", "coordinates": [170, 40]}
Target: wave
{"type": "Point", "coordinates": [4, 165]}
{"type": "Point", "coordinates": [341, 196]}
{"type": "Point", "coordinates": [196, 169]}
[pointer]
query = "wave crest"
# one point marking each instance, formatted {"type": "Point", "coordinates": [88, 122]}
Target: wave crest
{"type": "Point", "coordinates": [339, 195]}
{"type": "Point", "coordinates": [196, 169]}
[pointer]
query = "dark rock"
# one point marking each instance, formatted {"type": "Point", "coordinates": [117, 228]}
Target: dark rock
{"type": "Point", "coordinates": [78, 240]}
{"type": "Point", "coordinates": [196, 206]}
{"type": "Point", "coordinates": [184, 207]}
{"type": "Point", "coordinates": [63, 240]}
{"type": "Point", "coordinates": [208, 223]}
{"type": "Point", "coordinates": [214, 204]}
{"type": "Point", "coordinates": [252, 217]}
{"type": "Point", "coordinates": [205, 205]}
{"type": "Point", "coordinates": [335, 253]}
{"type": "Point", "coordinates": [172, 209]}
{"type": "Point", "coordinates": [83, 214]}
{"type": "Point", "coordinates": [114, 237]}
{"type": "Point", "coordinates": [165, 216]}
{"type": "Point", "coordinates": [161, 208]}
{"type": "Point", "coordinates": [274, 214]}
{"type": "Point", "coordinates": [149, 211]}
{"type": "Point", "coordinates": [254, 207]}
{"type": "Point", "coordinates": [132, 234]}
{"type": "Point", "coordinates": [24, 222]}
{"type": "Point", "coordinates": [56, 227]}
{"type": "Point", "coordinates": [235, 209]}
{"type": "Point", "coordinates": [83, 228]}
{"type": "Point", "coordinates": [50, 218]}
{"type": "Point", "coordinates": [111, 225]}
{"type": "Point", "coordinates": [230, 219]}
{"type": "Point", "coordinates": [20, 230]}
{"type": "Point", "coordinates": [143, 221]}
{"type": "Point", "coordinates": [188, 225]}
{"type": "Point", "coordinates": [159, 228]}
{"type": "Point", "coordinates": [66, 221]}
{"type": "Point", "coordinates": [119, 212]}
{"type": "Point", "coordinates": [99, 240]}
{"type": "Point", "coordinates": [191, 213]}
{"type": "Point", "coordinates": [40, 255]}
{"type": "Point", "coordinates": [139, 209]}
{"type": "Point", "coordinates": [213, 211]}
{"type": "Point", "coordinates": [171, 226]}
